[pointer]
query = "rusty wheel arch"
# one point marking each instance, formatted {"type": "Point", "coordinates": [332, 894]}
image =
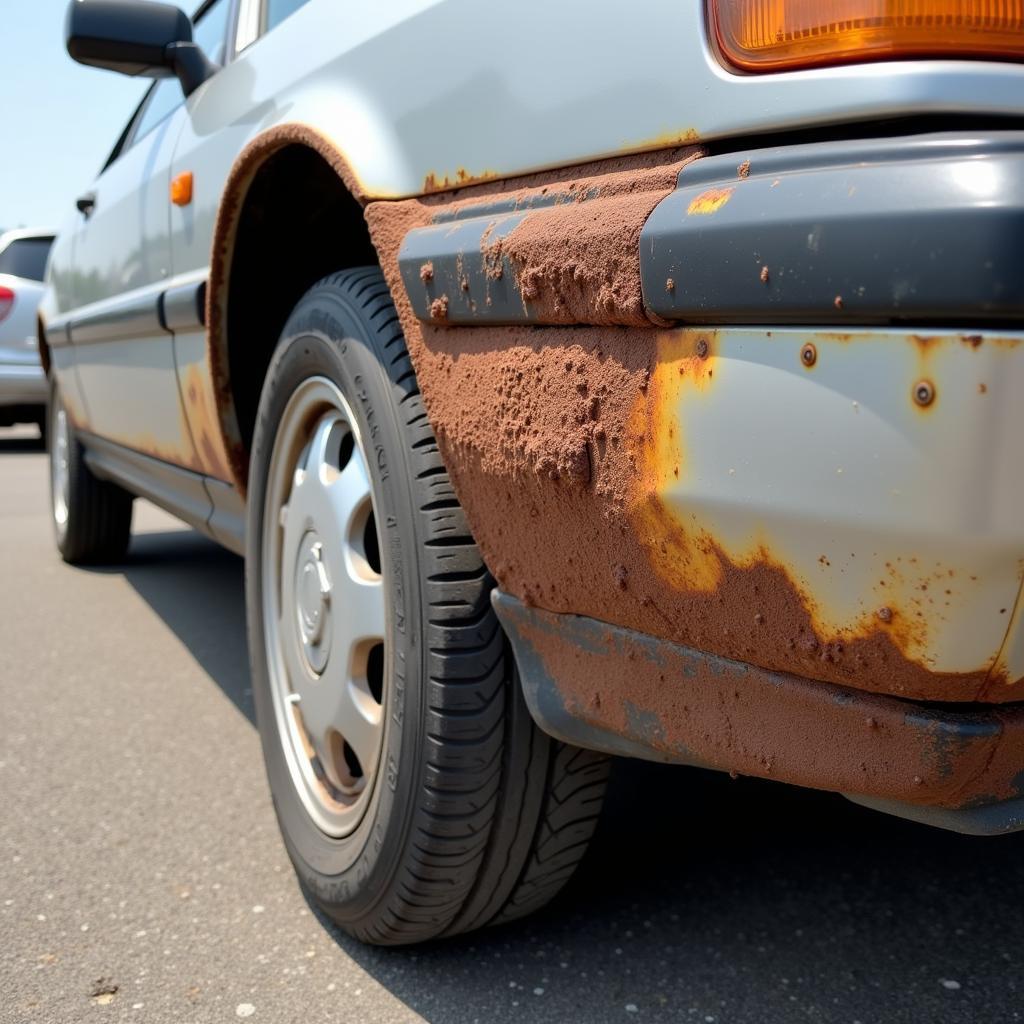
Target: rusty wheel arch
{"type": "Point", "coordinates": [258, 199]}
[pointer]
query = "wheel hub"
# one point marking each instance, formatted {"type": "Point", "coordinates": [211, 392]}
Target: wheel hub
{"type": "Point", "coordinates": [313, 603]}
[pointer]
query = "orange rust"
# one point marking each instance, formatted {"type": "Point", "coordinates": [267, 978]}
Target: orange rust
{"type": "Point", "coordinates": [544, 433]}
{"type": "Point", "coordinates": [709, 201]}
{"type": "Point", "coordinates": [436, 183]}
{"type": "Point", "coordinates": [203, 422]}
{"type": "Point", "coordinates": [663, 140]}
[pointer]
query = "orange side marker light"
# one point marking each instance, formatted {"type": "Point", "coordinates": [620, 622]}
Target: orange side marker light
{"type": "Point", "coordinates": [181, 189]}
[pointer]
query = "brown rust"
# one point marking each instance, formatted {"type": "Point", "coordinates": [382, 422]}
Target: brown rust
{"type": "Point", "coordinates": [724, 715]}
{"type": "Point", "coordinates": [546, 434]}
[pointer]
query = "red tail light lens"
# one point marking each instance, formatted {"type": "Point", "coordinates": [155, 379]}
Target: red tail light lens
{"type": "Point", "coordinates": [6, 302]}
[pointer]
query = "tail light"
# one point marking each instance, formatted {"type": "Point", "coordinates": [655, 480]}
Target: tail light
{"type": "Point", "coordinates": [777, 35]}
{"type": "Point", "coordinates": [6, 302]}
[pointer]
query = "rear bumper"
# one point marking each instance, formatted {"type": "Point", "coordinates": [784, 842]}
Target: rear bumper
{"type": "Point", "coordinates": [22, 384]}
{"type": "Point", "coordinates": [607, 688]}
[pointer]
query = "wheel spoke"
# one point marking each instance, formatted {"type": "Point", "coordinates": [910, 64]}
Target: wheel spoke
{"type": "Point", "coordinates": [337, 704]}
{"type": "Point", "coordinates": [319, 447]}
{"type": "Point", "coordinates": [348, 494]}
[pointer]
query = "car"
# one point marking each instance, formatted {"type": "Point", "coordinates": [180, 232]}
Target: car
{"type": "Point", "coordinates": [636, 384]}
{"type": "Point", "coordinates": [23, 385]}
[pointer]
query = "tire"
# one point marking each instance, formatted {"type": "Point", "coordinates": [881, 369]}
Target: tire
{"type": "Point", "coordinates": [472, 815]}
{"type": "Point", "coordinates": [92, 518]}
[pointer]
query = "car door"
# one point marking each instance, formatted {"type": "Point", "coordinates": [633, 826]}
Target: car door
{"type": "Point", "coordinates": [122, 267]}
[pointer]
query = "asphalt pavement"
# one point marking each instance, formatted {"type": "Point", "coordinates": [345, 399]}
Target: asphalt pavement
{"type": "Point", "coordinates": [142, 877]}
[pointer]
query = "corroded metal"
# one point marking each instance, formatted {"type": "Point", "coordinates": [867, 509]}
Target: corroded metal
{"type": "Point", "coordinates": [602, 686]}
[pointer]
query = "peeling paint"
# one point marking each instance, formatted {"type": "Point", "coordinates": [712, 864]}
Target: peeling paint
{"type": "Point", "coordinates": [710, 201]}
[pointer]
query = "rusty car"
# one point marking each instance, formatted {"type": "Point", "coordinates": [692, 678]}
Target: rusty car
{"type": "Point", "coordinates": [643, 386]}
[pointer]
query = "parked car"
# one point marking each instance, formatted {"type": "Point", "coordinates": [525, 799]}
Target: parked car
{"type": "Point", "coordinates": [572, 386]}
{"type": "Point", "coordinates": [23, 386]}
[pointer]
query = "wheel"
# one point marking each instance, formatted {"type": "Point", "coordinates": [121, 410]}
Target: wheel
{"type": "Point", "coordinates": [92, 518]}
{"type": "Point", "coordinates": [414, 793]}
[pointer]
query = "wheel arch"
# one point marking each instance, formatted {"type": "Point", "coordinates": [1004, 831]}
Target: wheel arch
{"type": "Point", "coordinates": [292, 192]}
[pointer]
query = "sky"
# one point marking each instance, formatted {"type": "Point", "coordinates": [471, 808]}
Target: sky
{"type": "Point", "coordinates": [60, 120]}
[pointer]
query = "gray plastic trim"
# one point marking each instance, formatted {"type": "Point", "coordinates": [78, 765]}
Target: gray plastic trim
{"type": "Point", "coordinates": [183, 308]}
{"type": "Point", "coordinates": [124, 319]}
{"type": "Point", "coordinates": [996, 819]}
{"type": "Point", "coordinates": [924, 229]}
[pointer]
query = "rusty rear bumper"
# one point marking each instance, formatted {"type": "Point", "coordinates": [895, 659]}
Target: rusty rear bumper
{"type": "Point", "coordinates": [613, 689]}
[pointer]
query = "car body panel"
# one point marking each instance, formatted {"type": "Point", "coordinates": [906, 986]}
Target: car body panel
{"type": "Point", "coordinates": [124, 356]}
{"type": "Point", "coordinates": [848, 519]}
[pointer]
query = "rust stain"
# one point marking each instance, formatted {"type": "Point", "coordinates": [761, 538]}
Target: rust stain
{"type": "Point", "coordinates": [177, 454]}
{"type": "Point", "coordinates": [750, 722]}
{"type": "Point", "coordinates": [444, 183]}
{"type": "Point", "coordinates": [548, 433]}
{"type": "Point", "coordinates": [203, 422]}
{"type": "Point", "coordinates": [709, 201]}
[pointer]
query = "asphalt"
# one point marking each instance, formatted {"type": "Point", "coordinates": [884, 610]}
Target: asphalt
{"type": "Point", "coordinates": [142, 877]}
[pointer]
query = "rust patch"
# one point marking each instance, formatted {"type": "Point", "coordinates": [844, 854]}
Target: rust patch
{"type": "Point", "coordinates": [544, 434]}
{"type": "Point", "coordinates": [710, 201]}
{"type": "Point", "coordinates": [743, 171]}
{"type": "Point", "coordinates": [578, 261]}
{"type": "Point", "coordinates": [203, 423]}
{"type": "Point", "coordinates": [461, 178]}
{"type": "Point", "coordinates": [728, 716]}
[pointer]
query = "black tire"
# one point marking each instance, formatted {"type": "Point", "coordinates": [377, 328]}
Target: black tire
{"type": "Point", "coordinates": [98, 524]}
{"type": "Point", "coordinates": [478, 817]}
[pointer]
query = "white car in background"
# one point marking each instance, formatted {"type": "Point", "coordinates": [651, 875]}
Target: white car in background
{"type": "Point", "coordinates": [23, 387]}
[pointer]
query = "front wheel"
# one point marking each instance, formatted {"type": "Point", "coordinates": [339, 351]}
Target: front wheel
{"type": "Point", "coordinates": [415, 795]}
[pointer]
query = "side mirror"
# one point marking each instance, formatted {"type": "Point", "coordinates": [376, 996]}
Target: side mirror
{"type": "Point", "coordinates": [136, 37]}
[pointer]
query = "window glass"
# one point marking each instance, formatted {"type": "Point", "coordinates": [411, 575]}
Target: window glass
{"type": "Point", "coordinates": [26, 257]}
{"type": "Point", "coordinates": [166, 96]}
{"type": "Point", "coordinates": [278, 10]}
{"type": "Point", "coordinates": [211, 30]}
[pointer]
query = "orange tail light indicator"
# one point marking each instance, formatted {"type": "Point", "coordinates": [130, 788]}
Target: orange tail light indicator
{"type": "Point", "coordinates": [181, 189]}
{"type": "Point", "coordinates": [779, 35]}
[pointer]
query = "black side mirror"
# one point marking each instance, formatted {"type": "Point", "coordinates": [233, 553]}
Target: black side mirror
{"type": "Point", "coordinates": [136, 37]}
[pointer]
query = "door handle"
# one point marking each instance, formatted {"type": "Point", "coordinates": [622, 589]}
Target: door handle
{"type": "Point", "coordinates": [86, 203]}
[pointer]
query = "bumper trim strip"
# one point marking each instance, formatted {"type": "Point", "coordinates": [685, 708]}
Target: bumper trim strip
{"type": "Point", "coordinates": [924, 229]}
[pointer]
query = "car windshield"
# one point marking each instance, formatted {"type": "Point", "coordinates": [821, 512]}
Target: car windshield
{"type": "Point", "coordinates": [26, 257]}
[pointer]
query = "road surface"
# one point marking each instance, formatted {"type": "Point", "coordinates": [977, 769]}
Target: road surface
{"type": "Point", "coordinates": [142, 877]}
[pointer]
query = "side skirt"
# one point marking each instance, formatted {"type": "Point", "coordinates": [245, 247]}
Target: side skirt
{"type": "Point", "coordinates": [179, 491]}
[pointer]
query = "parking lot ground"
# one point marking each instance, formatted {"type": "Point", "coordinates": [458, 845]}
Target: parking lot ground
{"type": "Point", "coordinates": [142, 877]}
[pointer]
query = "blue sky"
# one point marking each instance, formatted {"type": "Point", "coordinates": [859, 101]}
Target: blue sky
{"type": "Point", "coordinates": [60, 120]}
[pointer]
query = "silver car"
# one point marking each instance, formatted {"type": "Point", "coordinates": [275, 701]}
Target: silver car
{"type": "Point", "coordinates": [23, 387]}
{"type": "Point", "coordinates": [644, 383]}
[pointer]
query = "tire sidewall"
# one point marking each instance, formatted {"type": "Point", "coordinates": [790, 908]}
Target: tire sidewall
{"type": "Point", "coordinates": [326, 336]}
